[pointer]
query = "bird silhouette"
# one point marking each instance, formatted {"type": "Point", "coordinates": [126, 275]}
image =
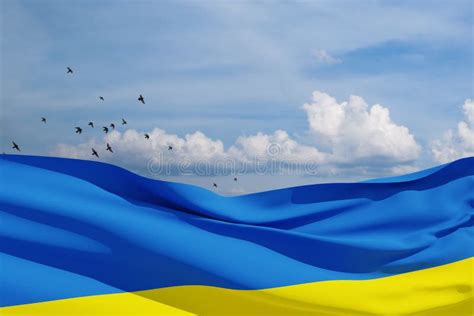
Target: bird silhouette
{"type": "Point", "coordinates": [112, 125]}
{"type": "Point", "coordinates": [124, 122]}
{"type": "Point", "coordinates": [15, 146]}
{"type": "Point", "coordinates": [214, 185]}
{"type": "Point", "coordinates": [78, 130]}
{"type": "Point", "coordinates": [141, 99]}
{"type": "Point", "coordinates": [102, 98]}
{"type": "Point", "coordinates": [170, 147]}
{"type": "Point", "coordinates": [147, 136]}
{"type": "Point", "coordinates": [109, 148]}
{"type": "Point", "coordinates": [94, 153]}
{"type": "Point", "coordinates": [91, 124]}
{"type": "Point", "coordinates": [43, 119]}
{"type": "Point", "coordinates": [235, 179]}
{"type": "Point", "coordinates": [69, 70]}
{"type": "Point", "coordinates": [105, 129]}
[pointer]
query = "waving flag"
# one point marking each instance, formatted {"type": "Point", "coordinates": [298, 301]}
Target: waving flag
{"type": "Point", "coordinates": [87, 238]}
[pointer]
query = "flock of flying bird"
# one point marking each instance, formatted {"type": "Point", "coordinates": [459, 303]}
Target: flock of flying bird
{"type": "Point", "coordinates": [91, 124]}
{"type": "Point", "coordinates": [104, 128]}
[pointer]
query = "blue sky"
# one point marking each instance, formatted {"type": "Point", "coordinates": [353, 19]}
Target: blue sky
{"type": "Point", "coordinates": [230, 69]}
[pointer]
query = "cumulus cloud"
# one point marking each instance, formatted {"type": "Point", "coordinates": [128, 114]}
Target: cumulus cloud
{"type": "Point", "coordinates": [277, 145]}
{"type": "Point", "coordinates": [348, 138]}
{"type": "Point", "coordinates": [355, 133]}
{"type": "Point", "coordinates": [195, 153]}
{"type": "Point", "coordinates": [135, 152]}
{"type": "Point", "coordinates": [324, 57]}
{"type": "Point", "coordinates": [457, 144]}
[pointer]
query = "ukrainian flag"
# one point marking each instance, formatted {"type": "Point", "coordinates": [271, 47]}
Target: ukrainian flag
{"type": "Point", "coordinates": [86, 238]}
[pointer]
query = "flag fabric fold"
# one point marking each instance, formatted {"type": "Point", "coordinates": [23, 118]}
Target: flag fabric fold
{"type": "Point", "coordinates": [90, 238]}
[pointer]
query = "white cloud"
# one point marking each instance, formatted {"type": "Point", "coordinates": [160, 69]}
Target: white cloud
{"type": "Point", "coordinates": [278, 145]}
{"type": "Point", "coordinates": [354, 133]}
{"type": "Point", "coordinates": [349, 138]}
{"type": "Point", "coordinates": [457, 144]}
{"type": "Point", "coordinates": [132, 150]}
{"type": "Point", "coordinates": [324, 57]}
